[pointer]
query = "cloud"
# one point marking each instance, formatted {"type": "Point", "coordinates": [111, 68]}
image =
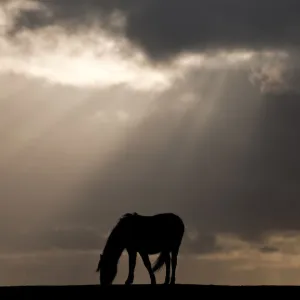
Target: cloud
{"type": "Point", "coordinates": [184, 25]}
{"type": "Point", "coordinates": [272, 253]}
{"type": "Point", "coordinates": [84, 44]}
{"type": "Point", "coordinates": [88, 57]}
{"type": "Point", "coordinates": [202, 244]}
{"type": "Point", "coordinates": [269, 249]}
{"type": "Point", "coordinates": [276, 73]}
{"type": "Point", "coordinates": [56, 62]}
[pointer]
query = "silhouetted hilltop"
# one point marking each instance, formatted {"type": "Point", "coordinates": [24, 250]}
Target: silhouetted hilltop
{"type": "Point", "coordinates": [123, 291]}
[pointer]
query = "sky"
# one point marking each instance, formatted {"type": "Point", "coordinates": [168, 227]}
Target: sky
{"type": "Point", "coordinates": [183, 106]}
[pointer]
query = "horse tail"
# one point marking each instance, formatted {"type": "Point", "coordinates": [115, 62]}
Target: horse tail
{"type": "Point", "coordinates": [160, 261]}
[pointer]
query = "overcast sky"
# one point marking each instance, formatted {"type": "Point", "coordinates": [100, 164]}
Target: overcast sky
{"type": "Point", "coordinates": [183, 106]}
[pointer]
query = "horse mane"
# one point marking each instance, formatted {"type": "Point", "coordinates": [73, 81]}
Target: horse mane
{"type": "Point", "coordinates": [118, 226]}
{"type": "Point", "coordinates": [127, 215]}
{"type": "Point", "coordinates": [123, 218]}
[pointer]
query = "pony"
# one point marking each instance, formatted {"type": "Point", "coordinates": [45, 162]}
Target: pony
{"type": "Point", "coordinates": [144, 235]}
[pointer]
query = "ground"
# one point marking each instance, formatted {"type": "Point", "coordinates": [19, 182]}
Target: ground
{"type": "Point", "coordinates": [159, 291]}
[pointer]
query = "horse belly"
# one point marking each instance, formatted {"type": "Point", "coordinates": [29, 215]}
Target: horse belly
{"type": "Point", "coordinates": [152, 245]}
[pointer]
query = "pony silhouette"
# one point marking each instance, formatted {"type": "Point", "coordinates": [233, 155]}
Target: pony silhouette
{"type": "Point", "coordinates": [143, 235]}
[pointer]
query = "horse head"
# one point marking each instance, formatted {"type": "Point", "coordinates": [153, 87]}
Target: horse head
{"type": "Point", "coordinates": [107, 270]}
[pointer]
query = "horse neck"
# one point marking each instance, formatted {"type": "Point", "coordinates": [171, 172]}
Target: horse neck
{"type": "Point", "coordinates": [114, 246]}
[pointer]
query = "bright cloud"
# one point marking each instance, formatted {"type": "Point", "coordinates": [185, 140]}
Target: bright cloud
{"type": "Point", "coordinates": [93, 57]}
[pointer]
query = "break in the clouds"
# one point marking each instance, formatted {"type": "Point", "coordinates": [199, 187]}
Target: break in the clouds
{"type": "Point", "coordinates": [105, 44]}
{"type": "Point", "coordinates": [87, 57]}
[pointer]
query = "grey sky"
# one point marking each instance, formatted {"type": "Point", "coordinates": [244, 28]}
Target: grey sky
{"type": "Point", "coordinates": [91, 128]}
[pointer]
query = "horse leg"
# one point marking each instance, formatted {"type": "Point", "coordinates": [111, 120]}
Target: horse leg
{"type": "Point", "coordinates": [167, 278]}
{"type": "Point", "coordinates": [132, 263]}
{"type": "Point", "coordinates": [147, 264]}
{"type": "Point", "coordinates": [174, 265]}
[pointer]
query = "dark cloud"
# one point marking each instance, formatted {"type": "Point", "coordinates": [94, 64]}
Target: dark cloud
{"type": "Point", "coordinates": [165, 28]}
{"type": "Point", "coordinates": [269, 249]}
{"type": "Point", "coordinates": [201, 244]}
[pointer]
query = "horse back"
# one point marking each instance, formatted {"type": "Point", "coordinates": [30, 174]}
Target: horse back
{"type": "Point", "coordinates": [160, 229]}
